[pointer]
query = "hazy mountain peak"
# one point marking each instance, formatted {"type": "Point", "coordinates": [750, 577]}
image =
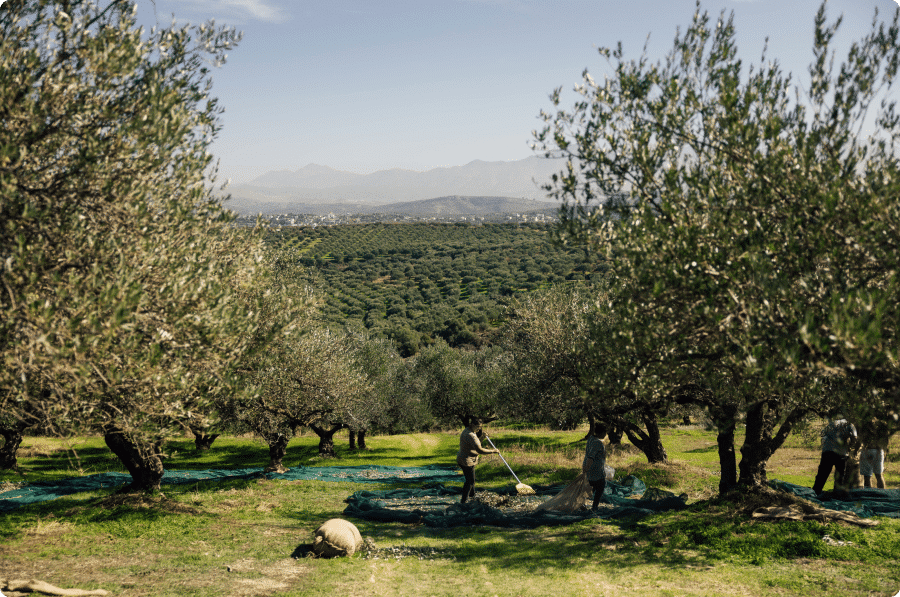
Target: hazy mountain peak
{"type": "Point", "coordinates": [314, 169]}
{"type": "Point", "coordinates": [317, 184]}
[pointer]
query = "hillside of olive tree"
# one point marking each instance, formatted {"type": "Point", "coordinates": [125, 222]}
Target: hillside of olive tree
{"type": "Point", "coordinates": [415, 283]}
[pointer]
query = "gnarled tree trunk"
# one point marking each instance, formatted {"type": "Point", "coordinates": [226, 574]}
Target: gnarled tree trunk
{"type": "Point", "coordinates": [12, 438]}
{"type": "Point", "coordinates": [203, 441]}
{"type": "Point", "coordinates": [725, 419]}
{"type": "Point", "coordinates": [727, 459]}
{"type": "Point", "coordinates": [326, 438]}
{"type": "Point", "coordinates": [648, 441]}
{"type": "Point", "coordinates": [358, 434]}
{"type": "Point", "coordinates": [761, 440]}
{"type": "Point", "coordinates": [140, 458]}
{"type": "Point", "coordinates": [614, 432]}
{"type": "Point", "coordinates": [277, 449]}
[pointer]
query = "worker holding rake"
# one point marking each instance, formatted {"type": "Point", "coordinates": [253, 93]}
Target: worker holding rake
{"type": "Point", "coordinates": [467, 457]}
{"type": "Point", "coordinates": [594, 465]}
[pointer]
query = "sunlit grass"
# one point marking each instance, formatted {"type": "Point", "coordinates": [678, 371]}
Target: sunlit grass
{"type": "Point", "coordinates": [186, 540]}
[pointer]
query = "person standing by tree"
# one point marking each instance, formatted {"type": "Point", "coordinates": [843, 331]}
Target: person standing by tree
{"type": "Point", "coordinates": [594, 465]}
{"type": "Point", "coordinates": [874, 436]}
{"type": "Point", "coordinates": [836, 439]}
{"type": "Point", "coordinates": [467, 457]}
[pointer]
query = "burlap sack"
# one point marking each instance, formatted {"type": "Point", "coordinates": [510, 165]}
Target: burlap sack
{"type": "Point", "coordinates": [337, 537]}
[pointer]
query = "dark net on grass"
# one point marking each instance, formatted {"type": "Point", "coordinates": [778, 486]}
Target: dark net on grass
{"type": "Point", "coordinates": [50, 490]}
{"type": "Point", "coordinates": [865, 502]}
{"type": "Point", "coordinates": [436, 505]}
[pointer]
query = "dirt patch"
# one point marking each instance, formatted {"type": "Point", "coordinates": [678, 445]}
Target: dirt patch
{"type": "Point", "coordinates": [266, 507]}
{"type": "Point", "coordinates": [276, 576]}
{"type": "Point", "coordinates": [48, 528]}
{"type": "Point", "coordinates": [228, 505]}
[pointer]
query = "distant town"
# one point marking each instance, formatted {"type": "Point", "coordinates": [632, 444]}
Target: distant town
{"type": "Point", "coordinates": [337, 219]}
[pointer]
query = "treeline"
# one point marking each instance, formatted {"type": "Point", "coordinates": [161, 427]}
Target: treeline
{"type": "Point", "coordinates": [417, 283]}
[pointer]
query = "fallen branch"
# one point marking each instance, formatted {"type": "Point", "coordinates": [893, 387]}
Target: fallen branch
{"type": "Point", "coordinates": [795, 512]}
{"type": "Point", "coordinates": [39, 586]}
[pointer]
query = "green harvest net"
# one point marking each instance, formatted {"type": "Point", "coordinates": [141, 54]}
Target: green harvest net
{"type": "Point", "coordinates": [865, 502]}
{"type": "Point", "coordinates": [436, 505]}
{"type": "Point", "coordinates": [50, 490]}
{"type": "Point", "coordinates": [432, 495]}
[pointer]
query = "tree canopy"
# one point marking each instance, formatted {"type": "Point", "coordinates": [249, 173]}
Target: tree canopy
{"type": "Point", "coordinates": [120, 309]}
{"type": "Point", "coordinates": [751, 227]}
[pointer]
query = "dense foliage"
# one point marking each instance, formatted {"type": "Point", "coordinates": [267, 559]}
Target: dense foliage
{"type": "Point", "coordinates": [416, 283]}
{"type": "Point", "coordinates": [751, 229]}
{"type": "Point", "coordinates": [121, 308]}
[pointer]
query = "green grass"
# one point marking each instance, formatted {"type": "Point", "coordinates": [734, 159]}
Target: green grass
{"type": "Point", "coordinates": [237, 537]}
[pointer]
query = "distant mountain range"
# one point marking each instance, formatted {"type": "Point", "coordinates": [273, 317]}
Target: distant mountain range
{"type": "Point", "coordinates": [320, 189]}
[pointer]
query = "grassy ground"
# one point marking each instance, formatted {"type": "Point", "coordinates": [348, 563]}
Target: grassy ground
{"type": "Point", "coordinates": [236, 538]}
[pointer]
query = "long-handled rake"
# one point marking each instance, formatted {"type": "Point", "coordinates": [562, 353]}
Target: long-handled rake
{"type": "Point", "coordinates": [521, 488]}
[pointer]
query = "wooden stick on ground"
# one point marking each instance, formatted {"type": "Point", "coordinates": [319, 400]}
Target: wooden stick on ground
{"type": "Point", "coordinates": [39, 586]}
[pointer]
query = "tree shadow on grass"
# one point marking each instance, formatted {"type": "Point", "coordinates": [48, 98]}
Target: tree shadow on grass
{"type": "Point", "coordinates": [88, 458]}
{"type": "Point", "coordinates": [112, 507]}
{"type": "Point", "coordinates": [702, 450]}
{"type": "Point", "coordinates": [543, 549]}
{"type": "Point", "coordinates": [530, 443]}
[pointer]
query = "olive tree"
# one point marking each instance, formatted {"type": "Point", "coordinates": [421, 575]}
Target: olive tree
{"type": "Point", "coordinates": [119, 309]}
{"type": "Point", "coordinates": [458, 384]}
{"type": "Point", "coordinates": [563, 366]}
{"type": "Point", "coordinates": [545, 335]}
{"type": "Point", "coordinates": [386, 406]}
{"type": "Point", "coordinates": [306, 379]}
{"type": "Point", "coordinates": [301, 376]}
{"type": "Point", "coordinates": [752, 224]}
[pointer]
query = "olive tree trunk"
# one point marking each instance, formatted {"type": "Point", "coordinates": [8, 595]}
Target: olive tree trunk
{"type": "Point", "coordinates": [12, 438]}
{"type": "Point", "coordinates": [725, 418]}
{"type": "Point", "coordinates": [326, 438]}
{"type": "Point", "coordinates": [203, 441]}
{"type": "Point", "coordinates": [614, 432]}
{"type": "Point", "coordinates": [647, 440]}
{"type": "Point", "coordinates": [140, 458]}
{"type": "Point", "coordinates": [277, 449]}
{"type": "Point", "coordinates": [762, 439]}
{"type": "Point", "coordinates": [359, 436]}
{"type": "Point", "coordinates": [362, 439]}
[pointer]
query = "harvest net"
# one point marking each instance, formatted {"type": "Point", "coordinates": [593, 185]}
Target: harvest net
{"type": "Point", "coordinates": [50, 490]}
{"type": "Point", "coordinates": [436, 505]}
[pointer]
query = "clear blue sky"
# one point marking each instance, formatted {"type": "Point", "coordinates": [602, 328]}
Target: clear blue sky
{"type": "Point", "coordinates": [366, 85]}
